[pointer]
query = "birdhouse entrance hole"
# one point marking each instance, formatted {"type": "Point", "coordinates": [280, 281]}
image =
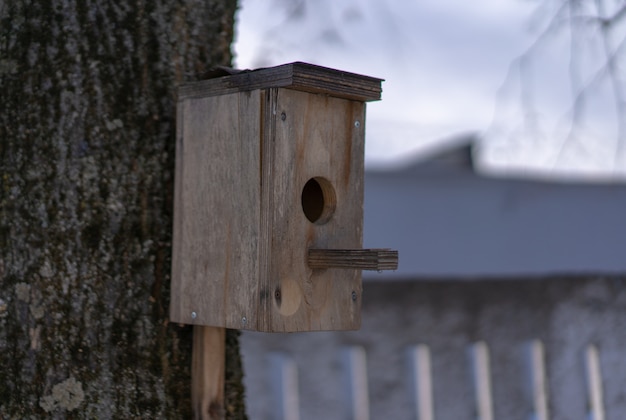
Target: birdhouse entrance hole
{"type": "Point", "coordinates": [318, 200]}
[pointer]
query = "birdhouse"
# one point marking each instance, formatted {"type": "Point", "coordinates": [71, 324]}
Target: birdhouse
{"type": "Point", "coordinates": [268, 206]}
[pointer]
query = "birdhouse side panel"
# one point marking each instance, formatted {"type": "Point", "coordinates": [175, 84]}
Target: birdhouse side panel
{"type": "Point", "coordinates": [316, 190]}
{"type": "Point", "coordinates": [217, 211]}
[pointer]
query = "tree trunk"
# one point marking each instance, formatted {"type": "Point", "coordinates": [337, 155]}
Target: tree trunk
{"type": "Point", "coordinates": [87, 98]}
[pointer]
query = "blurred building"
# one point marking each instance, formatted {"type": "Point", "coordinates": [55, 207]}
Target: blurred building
{"type": "Point", "coordinates": [509, 303]}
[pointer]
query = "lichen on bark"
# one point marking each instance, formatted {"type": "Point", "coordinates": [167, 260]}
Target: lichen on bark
{"type": "Point", "coordinates": [86, 164]}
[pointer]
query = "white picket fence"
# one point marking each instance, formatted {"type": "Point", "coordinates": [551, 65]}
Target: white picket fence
{"type": "Point", "coordinates": [511, 349]}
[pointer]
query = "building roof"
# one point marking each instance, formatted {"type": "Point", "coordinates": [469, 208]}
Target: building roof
{"type": "Point", "coordinates": [448, 221]}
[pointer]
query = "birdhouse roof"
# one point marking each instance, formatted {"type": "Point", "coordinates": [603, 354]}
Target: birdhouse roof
{"type": "Point", "coordinates": [299, 76]}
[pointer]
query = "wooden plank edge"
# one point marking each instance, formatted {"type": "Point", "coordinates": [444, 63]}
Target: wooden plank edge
{"type": "Point", "coordinates": [360, 259]}
{"type": "Point", "coordinates": [298, 75]}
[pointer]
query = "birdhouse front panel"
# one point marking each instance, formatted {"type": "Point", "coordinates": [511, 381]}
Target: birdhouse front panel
{"type": "Point", "coordinates": [313, 176]}
{"type": "Point", "coordinates": [269, 166]}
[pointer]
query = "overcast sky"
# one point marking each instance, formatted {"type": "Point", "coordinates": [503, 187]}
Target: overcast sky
{"type": "Point", "coordinates": [451, 68]}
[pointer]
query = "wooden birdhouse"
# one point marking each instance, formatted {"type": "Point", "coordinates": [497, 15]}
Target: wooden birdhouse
{"type": "Point", "coordinates": [268, 207]}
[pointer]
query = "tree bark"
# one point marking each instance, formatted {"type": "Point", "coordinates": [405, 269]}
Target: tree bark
{"type": "Point", "coordinates": [87, 98]}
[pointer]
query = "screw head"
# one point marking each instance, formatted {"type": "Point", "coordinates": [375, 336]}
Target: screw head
{"type": "Point", "coordinates": [353, 296]}
{"type": "Point", "coordinates": [357, 123]}
{"type": "Point", "coordinates": [283, 116]}
{"type": "Point", "coordinates": [194, 315]}
{"type": "Point", "coordinates": [244, 321]}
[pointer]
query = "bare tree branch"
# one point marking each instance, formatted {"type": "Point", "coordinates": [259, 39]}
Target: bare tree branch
{"type": "Point", "coordinates": [586, 23]}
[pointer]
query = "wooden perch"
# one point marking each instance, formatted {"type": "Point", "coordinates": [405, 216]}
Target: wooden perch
{"type": "Point", "coordinates": [359, 259]}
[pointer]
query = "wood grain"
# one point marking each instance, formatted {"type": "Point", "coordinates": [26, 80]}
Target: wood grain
{"type": "Point", "coordinates": [207, 373]}
{"type": "Point", "coordinates": [360, 259]}
{"type": "Point", "coordinates": [310, 136]}
{"type": "Point", "coordinates": [216, 211]}
{"type": "Point", "coordinates": [298, 75]}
